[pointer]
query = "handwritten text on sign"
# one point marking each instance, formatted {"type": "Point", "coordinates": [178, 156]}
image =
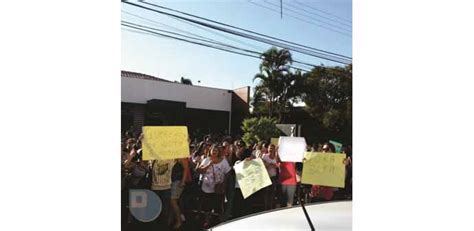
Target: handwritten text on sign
{"type": "Point", "coordinates": [252, 176]}
{"type": "Point", "coordinates": [165, 142]}
{"type": "Point", "coordinates": [326, 169]}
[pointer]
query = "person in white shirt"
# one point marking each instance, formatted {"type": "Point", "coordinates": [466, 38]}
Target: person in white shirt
{"type": "Point", "coordinates": [270, 161]}
{"type": "Point", "coordinates": [260, 149]}
{"type": "Point", "coordinates": [264, 149]}
{"type": "Point", "coordinates": [214, 170]}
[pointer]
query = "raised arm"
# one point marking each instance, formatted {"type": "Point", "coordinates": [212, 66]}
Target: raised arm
{"type": "Point", "coordinates": [185, 164]}
{"type": "Point", "coordinates": [201, 168]}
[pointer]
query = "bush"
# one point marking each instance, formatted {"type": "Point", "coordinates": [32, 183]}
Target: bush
{"type": "Point", "coordinates": [259, 129]}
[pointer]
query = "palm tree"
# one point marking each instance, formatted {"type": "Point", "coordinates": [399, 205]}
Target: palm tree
{"type": "Point", "coordinates": [275, 81]}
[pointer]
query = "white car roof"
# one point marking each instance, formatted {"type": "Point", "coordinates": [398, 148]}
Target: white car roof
{"type": "Point", "coordinates": [329, 216]}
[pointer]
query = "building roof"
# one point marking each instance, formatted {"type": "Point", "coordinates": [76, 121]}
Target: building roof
{"type": "Point", "coordinates": [137, 75]}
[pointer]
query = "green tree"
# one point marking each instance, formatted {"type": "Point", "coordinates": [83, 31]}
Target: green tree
{"type": "Point", "coordinates": [278, 88]}
{"type": "Point", "coordinates": [328, 98]}
{"type": "Point", "coordinates": [258, 102]}
{"type": "Point", "coordinates": [259, 129]}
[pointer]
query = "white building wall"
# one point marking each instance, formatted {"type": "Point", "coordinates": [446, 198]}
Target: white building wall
{"type": "Point", "coordinates": [142, 90]}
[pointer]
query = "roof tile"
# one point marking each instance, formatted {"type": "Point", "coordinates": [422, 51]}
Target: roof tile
{"type": "Point", "coordinates": [137, 75]}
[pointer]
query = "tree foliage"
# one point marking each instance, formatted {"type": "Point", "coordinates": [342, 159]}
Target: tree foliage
{"type": "Point", "coordinates": [259, 129]}
{"type": "Point", "coordinates": [278, 88]}
{"type": "Point", "coordinates": [328, 98]}
{"type": "Point", "coordinates": [326, 92]}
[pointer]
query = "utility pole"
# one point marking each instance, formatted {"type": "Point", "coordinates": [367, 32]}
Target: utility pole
{"type": "Point", "coordinates": [281, 9]}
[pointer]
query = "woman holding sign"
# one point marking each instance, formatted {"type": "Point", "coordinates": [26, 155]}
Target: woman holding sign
{"type": "Point", "coordinates": [241, 206]}
{"type": "Point", "coordinates": [327, 193]}
{"type": "Point", "coordinates": [213, 170]}
{"type": "Point", "coordinates": [234, 154]}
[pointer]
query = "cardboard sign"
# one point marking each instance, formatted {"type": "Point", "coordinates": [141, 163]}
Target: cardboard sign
{"type": "Point", "coordinates": [291, 149]}
{"type": "Point", "coordinates": [325, 169]}
{"type": "Point", "coordinates": [252, 176]}
{"type": "Point", "coordinates": [165, 142]}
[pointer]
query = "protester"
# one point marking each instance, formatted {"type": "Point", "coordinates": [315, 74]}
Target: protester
{"type": "Point", "coordinates": [256, 150]}
{"type": "Point", "coordinates": [213, 170]}
{"type": "Point", "coordinates": [270, 161]}
{"type": "Point", "coordinates": [287, 180]}
{"type": "Point", "coordinates": [209, 165]}
{"type": "Point", "coordinates": [161, 185]}
{"type": "Point", "coordinates": [241, 206]}
{"type": "Point", "coordinates": [199, 154]}
{"type": "Point", "coordinates": [178, 176]}
{"type": "Point", "coordinates": [226, 150]}
{"type": "Point", "coordinates": [235, 152]}
{"type": "Point", "coordinates": [265, 146]}
{"type": "Point", "coordinates": [208, 139]}
{"type": "Point", "coordinates": [127, 155]}
{"type": "Point", "coordinates": [139, 171]}
{"type": "Point", "coordinates": [325, 192]}
{"type": "Point", "coordinates": [348, 180]}
{"type": "Point", "coordinates": [127, 148]}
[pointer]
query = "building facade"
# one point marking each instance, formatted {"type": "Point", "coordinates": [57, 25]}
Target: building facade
{"type": "Point", "coordinates": [151, 101]}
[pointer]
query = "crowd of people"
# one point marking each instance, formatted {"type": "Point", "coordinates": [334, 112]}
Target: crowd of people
{"type": "Point", "coordinates": [201, 191]}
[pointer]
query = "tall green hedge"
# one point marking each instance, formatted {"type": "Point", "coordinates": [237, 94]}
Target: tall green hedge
{"type": "Point", "coordinates": [259, 129]}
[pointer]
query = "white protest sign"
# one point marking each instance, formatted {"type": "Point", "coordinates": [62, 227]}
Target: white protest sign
{"type": "Point", "coordinates": [291, 149]}
{"type": "Point", "coordinates": [252, 176]}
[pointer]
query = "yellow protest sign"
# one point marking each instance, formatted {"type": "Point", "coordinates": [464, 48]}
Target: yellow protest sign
{"type": "Point", "coordinates": [274, 141]}
{"type": "Point", "coordinates": [165, 142]}
{"type": "Point", "coordinates": [326, 169]}
{"type": "Point", "coordinates": [251, 176]}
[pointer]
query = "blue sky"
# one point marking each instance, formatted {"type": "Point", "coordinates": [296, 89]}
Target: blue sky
{"type": "Point", "coordinates": [171, 59]}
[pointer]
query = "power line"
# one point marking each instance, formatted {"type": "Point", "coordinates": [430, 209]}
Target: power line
{"type": "Point", "coordinates": [303, 20]}
{"type": "Point", "coordinates": [194, 25]}
{"type": "Point", "coordinates": [150, 32]}
{"type": "Point", "coordinates": [221, 35]}
{"type": "Point", "coordinates": [161, 24]}
{"type": "Point", "coordinates": [145, 32]}
{"type": "Point", "coordinates": [136, 31]}
{"type": "Point", "coordinates": [125, 23]}
{"type": "Point", "coordinates": [319, 15]}
{"type": "Point", "coordinates": [323, 12]}
{"type": "Point", "coordinates": [190, 37]}
{"type": "Point", "coordinates": [315, 19]}
{"type": "Point", "coordinates": [213, 21]}
{"type": "Point", "coordinates": [185, 40]}
{"type": "Point", "coordinates": [227, 25]}
{"type": "Point", "coordinates": [300, 50]}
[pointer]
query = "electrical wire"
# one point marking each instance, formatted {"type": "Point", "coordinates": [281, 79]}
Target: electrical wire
{"type": "Point", "coordinates": [150, 32]}
{"type": "Point", "coordinates": [205, 40]}
{"type": "Point", "coordinates": [315, 19]}
{"type": "Point", "coordinates": [304, 47]}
